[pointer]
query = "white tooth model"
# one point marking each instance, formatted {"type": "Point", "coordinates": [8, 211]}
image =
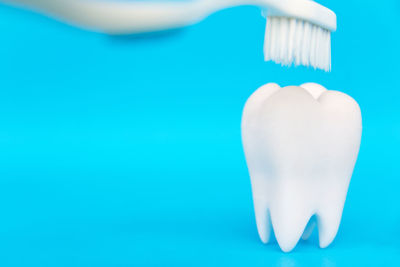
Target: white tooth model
{"type": "Point", "coordinates": [301, 145]}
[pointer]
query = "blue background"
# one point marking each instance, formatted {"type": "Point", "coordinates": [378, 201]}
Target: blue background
{"type": "Point", "coordinates": [127, 151]}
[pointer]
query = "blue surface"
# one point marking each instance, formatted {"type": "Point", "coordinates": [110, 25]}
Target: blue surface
{"type": "Point", "coordinates": [127, 151]}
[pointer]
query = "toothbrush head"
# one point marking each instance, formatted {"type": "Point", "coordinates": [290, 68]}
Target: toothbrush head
{"type": "Point", "coordinates": [299, 32]}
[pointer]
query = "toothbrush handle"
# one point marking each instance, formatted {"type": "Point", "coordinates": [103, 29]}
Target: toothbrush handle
{"type": "Point", "coordinates": [136, 17]}
{"type": "Point", "coordinates": [120, 17]}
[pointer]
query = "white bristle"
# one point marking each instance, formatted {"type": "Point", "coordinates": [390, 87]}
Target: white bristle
{"type": "Point", "coordinates": [294, 41]}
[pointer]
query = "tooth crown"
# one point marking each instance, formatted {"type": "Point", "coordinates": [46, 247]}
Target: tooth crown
{"type": "Point", "coordinates": [301, 145]}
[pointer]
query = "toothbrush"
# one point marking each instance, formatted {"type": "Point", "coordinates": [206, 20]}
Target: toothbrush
{"type": "Point", "coordinates": [297, 31]}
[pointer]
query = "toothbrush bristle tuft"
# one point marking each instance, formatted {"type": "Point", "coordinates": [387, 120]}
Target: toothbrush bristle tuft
{"type": "Point", "coordinates": [293, 41]}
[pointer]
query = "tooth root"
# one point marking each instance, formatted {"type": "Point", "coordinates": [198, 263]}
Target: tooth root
{"type": "Point", "coordinates": [330, 212]}
{"type": "Point", "coordinates": [289, 215]}
{"type": "Point", "coordinates": [262, 219]}
{"type": "Point", "coordinates": [288, 227]}
{"type": "Point", "coordinates": [328, 224]}
{"type": "Point", "coordinates": [260, 185]}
